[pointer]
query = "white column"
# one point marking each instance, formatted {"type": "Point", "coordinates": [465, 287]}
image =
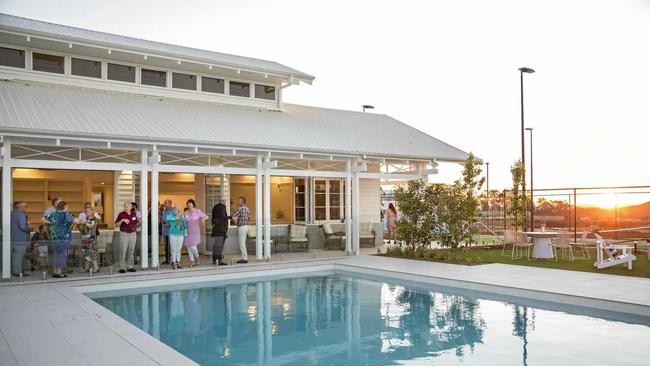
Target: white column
{"type": "Point", "coordinates": [6, 208]}
{"type": "Point", "coordinates": [154, 210]}
{"type": "Point", "coordinates": [267, 206]}
{"type": "Point", "coordinates": [355, 212]}
{"type": "Point", "coordinates": [348, 207]}
{"type": "Point", "coordinates": [258, 209]}
{"type": "Point", "coordinates": [144, 209]}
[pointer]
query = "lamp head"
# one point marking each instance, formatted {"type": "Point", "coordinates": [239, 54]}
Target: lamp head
{"type": "Point", "coordinates": [527, 70]}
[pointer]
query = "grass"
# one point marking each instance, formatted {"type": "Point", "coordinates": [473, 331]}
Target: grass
{"type": "Point", "coordinates": [478, 255]}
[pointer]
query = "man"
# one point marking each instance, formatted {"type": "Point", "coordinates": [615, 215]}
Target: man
{"type": "Point", "coordinates": [19, 237]}
{"type": "Point", "coordinates": [82, 216]}
{"type": "Point", "coordinates": [128, 223]}
{"type": "Point", "coordinates": [241, 217]}
{"type": "Point", "coordinates": [167, 210]}
{"type": "Point", "coordinates": [49, 210]}
{"type": "Point", "coordinates": [219, 231]}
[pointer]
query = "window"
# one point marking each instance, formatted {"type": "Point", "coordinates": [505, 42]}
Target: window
{"type": "Point", "coordinates": [264, 92]}
{"type": "Point", "coordinates": [88, 68]}
{"type": "Point", "coordinates": [328, 199]}
{"type": "Point", "coordinates": [121, 73]}
{"type": "Point", "coordinates": [47, 63]}
{"type": "Point", "coordinates": [300, 193]}
{"type": "Point", "coordinates": [183, 81]}
{"type": "Point", "coordinates": [153, 77]}
{"type": "Point", "coordinates": [240, 89]}
{"type": "Point", "coordinates": [212, 85]}
{"type": "Point", "coordinates": [11, 57]}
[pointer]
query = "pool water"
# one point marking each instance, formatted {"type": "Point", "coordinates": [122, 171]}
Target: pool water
{"type": "Point", "coordinates": [336, 319]}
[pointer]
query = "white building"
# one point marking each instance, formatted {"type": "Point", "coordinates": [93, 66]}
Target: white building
{"type": "Point", "coordinates": [104, 118]}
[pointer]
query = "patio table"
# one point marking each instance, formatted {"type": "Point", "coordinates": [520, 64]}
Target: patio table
{"type": "Point", "coordinates": [542, 247]}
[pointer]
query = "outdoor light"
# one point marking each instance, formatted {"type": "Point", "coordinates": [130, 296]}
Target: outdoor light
{"type": "Point", "coordinates": [527, 70]}
{"type": "Point", "coordinates": [145, 57]}
{"type": "Point", "coordinates": [210, 67]}
{"type": "Point", "coordinates": [523, 70]}
{"type": "Point", "coordinates": [367, 106]}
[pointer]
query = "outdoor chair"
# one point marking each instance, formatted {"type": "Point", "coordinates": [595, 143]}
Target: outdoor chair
{"type": "Point", "coordinates": [509, 238]}
{"type": "Point", "coordinates": [615, 257]}
{"type": "Point", "coordinates": [333, 239]}
{"type": "Point", "coordinates": [366, 235]}
{"type": "Point", "coordinates": [582, 244]}
{"type": "Point", "coordinates": [298, 238]}
{"type": "Point", "coordinates": [521, 243]}
{"type": "Point", "coordinates": [563, 243]}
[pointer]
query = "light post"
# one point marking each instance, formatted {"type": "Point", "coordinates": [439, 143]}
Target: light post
{"type": "Point", "coordinates": [532, 194]}
{"type": "Point", "coordinates": [487, 188]}
{"type": "Point", "coordinates": [367, 106]}
{"type": "Point", "coordinates": [523, 70]}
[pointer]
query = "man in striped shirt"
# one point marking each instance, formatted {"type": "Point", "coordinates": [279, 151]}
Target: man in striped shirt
{"type": "Point", "coordinates": [241, 218]}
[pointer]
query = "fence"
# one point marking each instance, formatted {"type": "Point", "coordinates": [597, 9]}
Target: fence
{"type": "Point", "coordinates": [621, 213]}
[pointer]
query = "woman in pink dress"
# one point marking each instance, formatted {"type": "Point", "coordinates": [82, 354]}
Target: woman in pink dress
{"type": "Point", "coordinates": [194, 218]}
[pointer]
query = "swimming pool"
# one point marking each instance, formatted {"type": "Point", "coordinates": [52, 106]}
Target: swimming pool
{"type": "Point", "coordinates": [339, 318]}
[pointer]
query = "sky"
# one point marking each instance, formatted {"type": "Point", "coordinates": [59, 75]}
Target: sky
{"type": "Point", "coordinates": [447, 68]}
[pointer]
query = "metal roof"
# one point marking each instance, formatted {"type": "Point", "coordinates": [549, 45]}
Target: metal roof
{"type": "Point", "coordinates": [71, 34]}
{"type": "Point", "coordinates": [72, 111]}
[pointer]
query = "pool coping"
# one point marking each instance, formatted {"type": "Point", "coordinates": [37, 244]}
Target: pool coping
{"type": "Point", "coordinates": [147, 350]}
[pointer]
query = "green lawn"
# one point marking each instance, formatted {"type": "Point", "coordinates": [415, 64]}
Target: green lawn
{"type": "Point", "coordinates": [640, 267]}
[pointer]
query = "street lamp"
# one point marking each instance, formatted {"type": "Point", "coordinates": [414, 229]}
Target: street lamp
{"type": "Point", "coordinates": [367, 106]}
{"type": "Point", "coordinates": [487, 188]}
{"type": "Point", "coordinates": [532, 200]}
{"type": "Point", "coordinates": [523, 70]}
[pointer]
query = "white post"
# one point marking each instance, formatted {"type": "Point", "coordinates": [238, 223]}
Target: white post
{"type": "Point", "coordinates": [267, 206]}
{"type": "Point", "coordinates": [258, 209]}
{"type": "Point", "coordinates": [6, 208]}
{"type": "Point", "coordinates": [154, 210]}
{"type": "Point", "coordinates": [348, 207]}
{"type": "Point", "coordinates": [355, 212]}
{"type": "Point", "coordinates": [144, 210]}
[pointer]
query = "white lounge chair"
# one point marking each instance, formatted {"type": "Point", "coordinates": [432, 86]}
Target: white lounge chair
{"type": "Point", "coordinates": [616, 254]}
{"type": "Point", "coordinates": [509, 238]}
{"type": "Point", "coordinates": [521, 242]}
{"type": "Point", "coordinates": [582, 244]}
{"type": "Point", "coordinates": [563, 243]}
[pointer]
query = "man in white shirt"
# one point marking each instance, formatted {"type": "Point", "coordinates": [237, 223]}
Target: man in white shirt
{"type": "Point", "coordinates": [49, 210]}
{"type": "Point", "coordinates": [82, 215]}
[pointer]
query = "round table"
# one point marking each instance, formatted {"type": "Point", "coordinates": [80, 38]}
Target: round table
{"type": "Point", "coordinates": [542, 247]}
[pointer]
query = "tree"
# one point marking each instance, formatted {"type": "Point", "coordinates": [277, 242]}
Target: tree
{"type": "Point", "coordinates": [517, 205]}
{"type": "Point", "coordinates": [457, 206]}
{"type": "Point", "coordinates": [416, 225]}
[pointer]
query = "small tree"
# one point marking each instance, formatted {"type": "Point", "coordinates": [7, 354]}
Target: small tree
{"type": "Point", "coordinates": [457, 206]}
{"type": "Point", "coordinates": [517, 205]}
{"type": "Point", "coordinates": [416, 225]}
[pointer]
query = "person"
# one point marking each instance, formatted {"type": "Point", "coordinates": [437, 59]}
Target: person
{"type": "Point", "coordinates": [61, 222]}
{"type": "Point", "coordinates": [194, 218]}
{"type": "Point", "coordinates": [391, 222]}
{"type": "Point", "coordinates": [219, 231]}
{"type": "Point", "coordinates": [89, 231]}
{"type": "Point", "coordinates": [19, 237]}
{"type": "Point", "coordinates": [49, 210]}
{"type": "Point", "coordinates": [138, 231]}
{"type": "Point", "coordinates": [167, 209]}
{"type": "Point", "coordinates": [241, 218]}
{"type": "Point", "coordinates": [128, 222]}
{"type": "Point", "coordinates": [177, 232]}
{"type": "Point", "coordinates": [82, 216]}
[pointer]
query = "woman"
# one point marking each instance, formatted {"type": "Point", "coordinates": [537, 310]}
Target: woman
{"type": "Point", "coordinates": [391, 223]}
{"type": "Point", "coordinates": [61, 222]}
{"type": "Point", "coordinates": [88, 221]}
{"type": "Point", "coordinates": [177, 232]}
{"type": "Point", "coordinates": [194, 218]}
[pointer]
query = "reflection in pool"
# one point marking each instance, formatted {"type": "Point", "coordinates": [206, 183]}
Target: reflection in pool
{"type": "Point", "coordinates": [342, 320]}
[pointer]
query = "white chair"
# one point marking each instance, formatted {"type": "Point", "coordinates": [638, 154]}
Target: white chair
{"type": "Point", "coordinates": [298, 238]}
{"type": "Point", "coordinates": [563, 243]}
{"type": "Point", "coordinates": [582, 244]}
{"type": "Point", "coordinates": [521, 242]}
{"type": "Point", "coordinates": [614, 257]}
{"type": "Point", "coordinates": [366, 235]}
{"type": "Point", "coordinates": [509, 238]}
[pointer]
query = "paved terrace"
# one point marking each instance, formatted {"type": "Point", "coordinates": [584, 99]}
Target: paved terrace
{"type": "Point", "coordinates": [53, 323]}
